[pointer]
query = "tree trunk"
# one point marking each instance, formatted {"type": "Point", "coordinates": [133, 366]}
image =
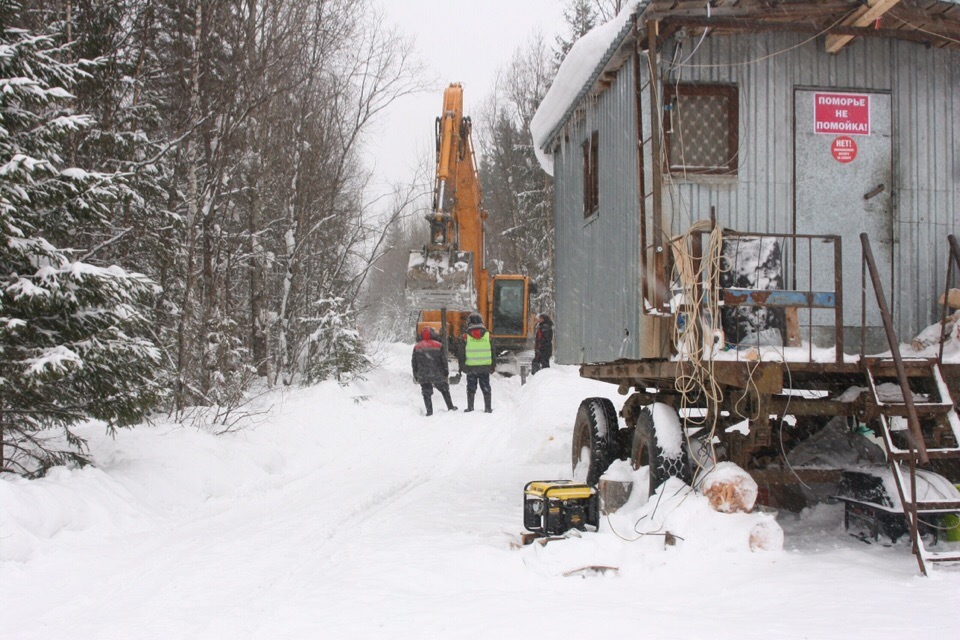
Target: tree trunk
{"type": "Point", "coordinates": [287, 365]}
{"type": "Point", "coordinates": [186, 309]}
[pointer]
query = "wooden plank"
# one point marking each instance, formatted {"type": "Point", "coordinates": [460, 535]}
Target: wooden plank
{"type": "Point", "coordinates": [793, 337]}
{"type": "Point", "coordinates": [660, 279]}
{"type": "Point", "coordinates": [814, 376]}
{"type": "Point", "coordinates": [784, 13]}
{"type": "Point", "coordinates": [758, 25]}
{"type": "Point", "coordinates": [814, 407]}
{"type": "Point", "coordinates": [862, 17]}
{"type": "Point", "coordinates": [765, 377]}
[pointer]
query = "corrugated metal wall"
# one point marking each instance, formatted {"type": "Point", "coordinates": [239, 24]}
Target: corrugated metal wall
{"type": "Point", "coordinates": [597, 259]}
{"type": "Point", "coordinates": [597, 262]}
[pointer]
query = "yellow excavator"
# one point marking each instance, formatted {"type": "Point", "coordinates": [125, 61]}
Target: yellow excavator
{"type": "Point", "coordinates": [448, 280]}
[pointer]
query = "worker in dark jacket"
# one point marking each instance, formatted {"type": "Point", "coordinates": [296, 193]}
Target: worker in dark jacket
{"type": "Point", "coordinates": [430, 369]}
{"type": "Point", "coordinates": [543, 343]}
{"type": "Point", "coordinates": [478, 360]}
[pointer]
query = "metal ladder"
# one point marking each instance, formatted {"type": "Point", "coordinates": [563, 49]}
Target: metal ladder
{"type": "Point", "coordinates": [938, 409]}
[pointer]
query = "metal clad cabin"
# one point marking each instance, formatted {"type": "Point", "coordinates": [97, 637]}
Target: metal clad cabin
{"type": "Point", "coordinates": [800, 118]}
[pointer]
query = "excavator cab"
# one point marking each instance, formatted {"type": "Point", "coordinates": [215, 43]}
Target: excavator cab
{"type": "Point", "coordinates": [511, 321]}
{"type": "Point", "coordinates": [508, 307]}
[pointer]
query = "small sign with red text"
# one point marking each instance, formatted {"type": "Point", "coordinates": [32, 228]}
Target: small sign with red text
{"type": "Point", "coordinates": [844, 149]}
{"type": "Point", "coordinates": [841, 113]}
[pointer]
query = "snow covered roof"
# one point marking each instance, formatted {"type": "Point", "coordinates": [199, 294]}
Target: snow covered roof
{"type": "Point", "coordinates": [580, 69]}
{"type": "Point", "coordinates": [937, 25]}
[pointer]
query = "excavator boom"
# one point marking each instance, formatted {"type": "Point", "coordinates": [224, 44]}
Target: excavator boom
{"type": "Point", "coordinates": [448, 279]}
{"type": "Point", "coordinates": [449, 272]}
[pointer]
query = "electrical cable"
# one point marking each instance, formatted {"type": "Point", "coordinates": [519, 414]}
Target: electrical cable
{"type": "Point", "coordinates": [775, 53]}
{"type": "Point", "coordinates": [699, 386]}
{"type": "Point", "coordinates": [783, 416]}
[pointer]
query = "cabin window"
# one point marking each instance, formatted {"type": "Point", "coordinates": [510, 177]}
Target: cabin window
{"type": "Point", "coordinates": [508, 308]}
{"type": "Point", "coordinates": [591, 175]}
{"type": "Point", "coordinates": [700, 123]}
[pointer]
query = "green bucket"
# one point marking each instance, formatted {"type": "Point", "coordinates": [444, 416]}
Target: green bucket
{"type": "Point", "coordinates": [951, 522]}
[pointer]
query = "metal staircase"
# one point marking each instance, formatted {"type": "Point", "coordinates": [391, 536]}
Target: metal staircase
{"type": "Point", "coordinates": [912, 390]}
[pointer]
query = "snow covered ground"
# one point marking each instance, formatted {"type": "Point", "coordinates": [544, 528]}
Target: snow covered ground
{"type": "Point", "coordinates": [348, 514]}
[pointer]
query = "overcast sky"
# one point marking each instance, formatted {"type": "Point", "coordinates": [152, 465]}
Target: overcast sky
{"type": "Point", "coordinates": [460, 41]}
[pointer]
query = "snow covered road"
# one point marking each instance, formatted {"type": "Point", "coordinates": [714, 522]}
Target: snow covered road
{"type": "Point", "coordinates": [348, 514]}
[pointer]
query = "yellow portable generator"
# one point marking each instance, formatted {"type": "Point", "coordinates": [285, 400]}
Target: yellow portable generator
{"type": "Point", "coordinates": [553, 507]}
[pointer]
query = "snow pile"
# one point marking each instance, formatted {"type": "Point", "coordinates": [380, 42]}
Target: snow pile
{"type": "Point", "coordinates": [675, 524]}
{"type": "Point", "coordinates": [576, 70]}
{"type": "Point", "coordinates": [666, 422]}
{"type": "Point", "coordinates": [697, 527]}
{"type": "Point", "coordinates": [144, 476]}
{"type": "Point", "coordinates": [927, 343]}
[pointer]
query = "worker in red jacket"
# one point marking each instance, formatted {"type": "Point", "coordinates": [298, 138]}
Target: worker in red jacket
{"type": "Point", "coordinates": [430, 369]}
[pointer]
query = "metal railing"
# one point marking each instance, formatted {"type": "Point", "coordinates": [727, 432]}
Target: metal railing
{"type": "Point", "coordinates": [808, 265]}
{"type": "Point", "coordinates": [915, 444]}
{"type": "Point", "coordinates": [915, 437]}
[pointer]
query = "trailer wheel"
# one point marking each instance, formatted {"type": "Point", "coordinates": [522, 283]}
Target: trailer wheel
{"type": "Point", "coordinates": [648, 450]}
{"type": "Point", "coordinates": [624, 446]}
{"type": "Point", "coordinates": [594, 439]}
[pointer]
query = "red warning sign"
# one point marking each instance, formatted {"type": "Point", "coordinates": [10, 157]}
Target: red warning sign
{"type": "Point", "coordinates": [838, 113]}
{"type": "Point", "coordinates": [844, 149]}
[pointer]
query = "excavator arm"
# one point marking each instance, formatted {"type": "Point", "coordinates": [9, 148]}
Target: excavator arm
{"type": "Point", "coordinates": [448, 272]}
{"type": "Point", "coordinates": [448, 278]}
{"type": "Point", "coordinates": [445, 273]}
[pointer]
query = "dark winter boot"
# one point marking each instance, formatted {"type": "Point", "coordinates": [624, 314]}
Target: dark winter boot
{"type": "Point", "coordinates": [428, 403]}
{"type": "Point", "coordinates": [449, 401]}
{"type": "Point", "coordinates": [469, 402]}
{"type": "Point", "coordinates": [486, 402]}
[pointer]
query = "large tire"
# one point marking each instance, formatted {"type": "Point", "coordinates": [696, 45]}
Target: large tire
{"type": "Point", "coordinates": [646, 450]}
{"type": "Point", "coordinates": [595, 441]}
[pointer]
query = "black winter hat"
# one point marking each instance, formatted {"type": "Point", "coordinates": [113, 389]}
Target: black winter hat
{"type": "Point", "coordinates": [474, 319]}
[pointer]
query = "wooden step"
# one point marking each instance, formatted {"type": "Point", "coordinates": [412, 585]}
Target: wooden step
{"type": "Point", "coordinates": [913, 369]}
{"type": "Point", "coordinates": [941, 556]}
{"type": "Point", "coordinates": [903, 455]}
{"type": "Point", "coordinates": [886, 368]}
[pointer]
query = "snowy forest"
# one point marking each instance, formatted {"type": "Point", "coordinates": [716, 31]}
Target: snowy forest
{"type": "Point", "coordinates": [187, 212]}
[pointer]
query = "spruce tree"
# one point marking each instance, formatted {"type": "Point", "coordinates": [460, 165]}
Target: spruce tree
{"type": "Point", "coordinates": [581, 17]}
{"type": "Point", "coordinates": [71, 332]}
{"type": "Point", "coordinates": [335, 348]}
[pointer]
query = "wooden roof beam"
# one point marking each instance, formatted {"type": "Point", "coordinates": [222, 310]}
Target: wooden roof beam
{"type": "Point", "coordinates": [736, 25]}
{"type": "Point", "coordinates": [862, 17]}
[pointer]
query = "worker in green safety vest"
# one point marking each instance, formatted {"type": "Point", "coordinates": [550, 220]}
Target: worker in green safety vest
{"type": "Point", "coordinates": [478, 361]}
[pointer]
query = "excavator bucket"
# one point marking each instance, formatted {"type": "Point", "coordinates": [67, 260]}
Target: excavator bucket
{"type": "Point", "coordinates": [441, 279]}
